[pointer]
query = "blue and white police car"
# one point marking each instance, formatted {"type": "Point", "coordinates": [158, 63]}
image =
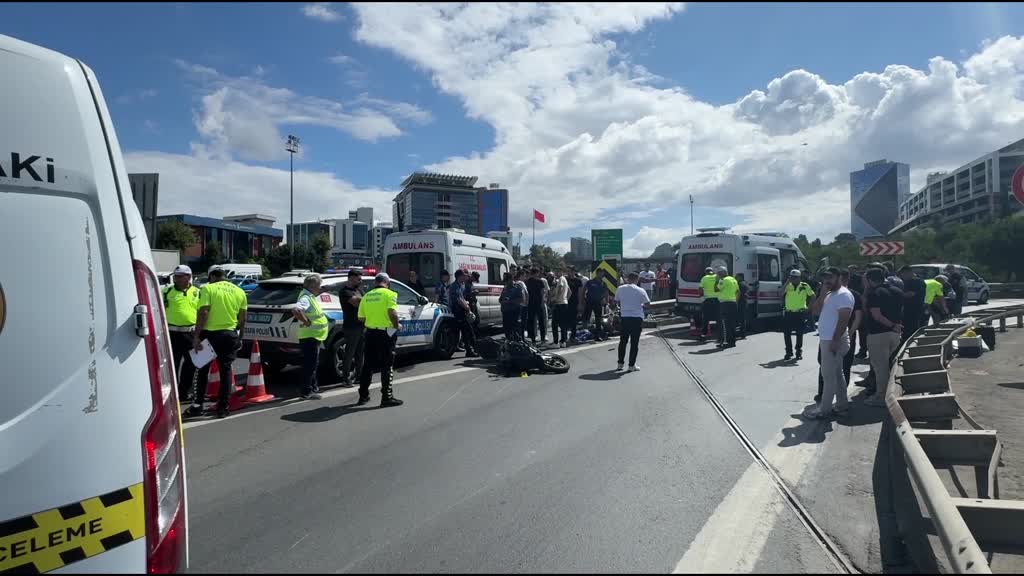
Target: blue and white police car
{"type": "Point", "coordinates": [424, 325]}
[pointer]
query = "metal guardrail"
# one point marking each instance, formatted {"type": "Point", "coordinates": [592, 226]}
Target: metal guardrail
{"type": "Point", "coordinates": [923, 406]}
{"type": "Point", "coordinates": [1006, 290]}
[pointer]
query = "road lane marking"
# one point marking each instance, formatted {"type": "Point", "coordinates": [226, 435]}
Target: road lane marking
{"type": "Point", "coordinates": [376, 386]}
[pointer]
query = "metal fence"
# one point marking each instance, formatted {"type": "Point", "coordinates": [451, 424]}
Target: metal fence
{"type": "Point", "coordinates": [922, 406]}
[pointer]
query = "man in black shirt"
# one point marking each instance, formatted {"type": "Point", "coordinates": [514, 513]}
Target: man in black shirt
{"type": "Point", "coordinates": [573, 301]}
{"type": "Point", "coordinates": [460, 309]}
{"type": "Point", "coordinates": [741, 306]}
{"type": "Point", "coordinates": [415, 284]}
{"type": "Point", "coordinates": [474, 279]}
{"type": "Point", "coordinates": [913, 302]}
{"type": "Point", "coordinates": [884, 313]}
{"type": "Point", "coordinates": [857, 285]}
{"type": "Point", "coordinates": [595, 294]}
{"type": "Point", "coordinates": [536, 313]}
{"type": "Point", "coordinates": [350, 293]}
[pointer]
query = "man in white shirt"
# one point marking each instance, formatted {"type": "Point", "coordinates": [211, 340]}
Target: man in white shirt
{"type": "Point", "coordinates": [647, 278]}
{"type": "Point", "coordinates": [834, 307]}
{"type": "Point", "coordinates": [633, 301]}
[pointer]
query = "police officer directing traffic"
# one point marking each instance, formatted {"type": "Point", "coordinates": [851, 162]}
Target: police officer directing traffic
{"type": "Point", "coordinates": [795, 297]}
{"type": "Point", "coordinates": [378, 310]}
{"type": "Point", "coordinates": [312, 333]}
{"type": "Point", "coordinates": [728, 291]}
{"type": "Point", "coordinates": [220, 321]}
{"type": "Point", "coordinates": [181, 301]}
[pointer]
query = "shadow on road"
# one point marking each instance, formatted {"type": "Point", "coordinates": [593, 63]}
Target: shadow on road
{"type": "Point", "coordinates": [604, 376]}
{"type": "Point", "coordinates": [1014, 385]}
{"type": "Point", "coordinates": [326, 413]}
{"type": "Point", "coordinates": [807, 432]}
{"type": "Point", "coordinates": [708, 351]}
{"type": "Point", "coordinates": [791, 363]}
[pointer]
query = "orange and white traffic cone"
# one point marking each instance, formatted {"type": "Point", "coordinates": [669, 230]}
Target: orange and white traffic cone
{"type": "Point", "coordinates": [255, 386]}
{"type": "Point", "coordinates": [213, 382]}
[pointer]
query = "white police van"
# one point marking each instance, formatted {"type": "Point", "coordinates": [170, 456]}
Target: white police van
{"type": "Point", "coordinates": [92, 472]}
{"type": "Point", "coordinates": [424, 325]}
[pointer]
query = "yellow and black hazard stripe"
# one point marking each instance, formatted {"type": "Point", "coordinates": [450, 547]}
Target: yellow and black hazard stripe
{"type": "Point", "coordinates": [54, 538]}
{"type": "Point", "coordinates": [611, 280]}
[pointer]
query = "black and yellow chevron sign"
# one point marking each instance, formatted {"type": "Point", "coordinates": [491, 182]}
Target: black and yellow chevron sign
{"type": "Point", "coordinates": [611, 280]}
{"type": "Point", "coordinates": [52, 539]}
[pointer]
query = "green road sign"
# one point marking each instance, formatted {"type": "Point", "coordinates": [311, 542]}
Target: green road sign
{"type": "Point", "coordinates": [607, 243]}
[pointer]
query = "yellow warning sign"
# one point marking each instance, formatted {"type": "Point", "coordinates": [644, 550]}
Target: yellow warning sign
{"type": "Point", "coordinates": [611, 279]}
{"type": "Point", "coordinates": [52, 539]}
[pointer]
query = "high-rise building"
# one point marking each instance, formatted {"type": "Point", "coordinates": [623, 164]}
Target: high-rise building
{"type": "Point", "coordinates": [977, 191]}
{"type": "Point", "coordinates": [492, 206]}
{"type": "Point", "coordinates": [437, 201]}
{"type": "Point", "coordinates": [145, 192]}
{"type": "Point", "coordinates": [378, 235]}
{"type": "Point", "coordinates": [581, 248]}
{"type": "Point", "coordinates": [306, 231]}
{"type": "Point", "coordinates": [362, 214]}
{"type": "Point", "coordinates": [351, 237]}
{"type": "Point", "coordinates": [876, 193]}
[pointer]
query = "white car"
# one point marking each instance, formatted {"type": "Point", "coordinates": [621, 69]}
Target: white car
{"type": "Point", "coordinates": [424, 325]}
{"type": "Point", "coordinates": [977, 288]}
{"type": "Point", "coordinates": [92, 472]}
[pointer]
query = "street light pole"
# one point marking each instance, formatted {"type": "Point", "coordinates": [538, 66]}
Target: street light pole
{"type": "Point", "coordinates": [292, 146]}
{"type": "Point", "coordinates": [691, 214]}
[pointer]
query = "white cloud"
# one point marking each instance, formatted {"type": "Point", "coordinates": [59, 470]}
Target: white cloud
{"type": "Point", "coordinates": [243, 115]}
{"type": "Point", "coordinates": [138, 96]}
{"type": "Point", "coordinates": [584, 136]}
{"type": "Point", "coordinates": [216, 188]}
{"type": "Point", "coordinates": [341, 59]}
{"type": "Point", "coordinates": [323, 11]}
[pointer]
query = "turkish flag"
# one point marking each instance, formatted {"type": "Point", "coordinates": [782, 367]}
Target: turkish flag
{"type": "Point", "coordinates": [538, 216]}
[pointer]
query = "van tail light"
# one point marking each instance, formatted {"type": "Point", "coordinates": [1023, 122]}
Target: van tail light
{"type": "Point", "coordinates": [163, 453]}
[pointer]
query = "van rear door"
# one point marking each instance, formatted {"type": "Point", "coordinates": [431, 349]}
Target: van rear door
{"type": "Point", "coordinates": [77, 381]}
{"type": "Point", "coordinates": [769, 282]}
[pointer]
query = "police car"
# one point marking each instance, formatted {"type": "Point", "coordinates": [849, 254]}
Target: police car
{"type": "Point", "coordinates": [424, 325]}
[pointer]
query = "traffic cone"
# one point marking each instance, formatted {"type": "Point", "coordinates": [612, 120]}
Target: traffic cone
{"type": "Point", "coordinates": [213, 382]}
{"type": "Point", "coordinates": [255, 386]}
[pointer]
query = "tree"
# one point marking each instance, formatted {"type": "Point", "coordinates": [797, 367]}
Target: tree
{"type": "Point", "coordinates": [278, 260]}
{"type": "Point", "coordinates": [544, 257]}
{"type": "Point", "coordinates": [319, 252]}
{"type": "Point", "coordinates": [175, 235]}
{"type": "Point", "coordinates": [213, 254]}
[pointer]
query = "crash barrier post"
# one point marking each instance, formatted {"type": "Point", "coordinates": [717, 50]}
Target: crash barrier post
{"type": "Point", "coordinates": [922, 406]}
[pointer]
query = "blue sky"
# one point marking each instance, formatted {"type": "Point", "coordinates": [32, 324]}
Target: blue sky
{"type": "Point", "coordinates": [578, 111]}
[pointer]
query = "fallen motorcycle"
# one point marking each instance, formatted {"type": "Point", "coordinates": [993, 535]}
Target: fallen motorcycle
{"type": "Point", "coordinates": [515, 356]}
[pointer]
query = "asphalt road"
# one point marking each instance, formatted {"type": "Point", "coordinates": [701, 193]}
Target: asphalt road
{"type": "Point", "coordinates": [593, 470]}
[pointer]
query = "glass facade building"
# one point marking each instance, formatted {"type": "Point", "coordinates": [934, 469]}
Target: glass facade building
{"type": "Point", "coordinates": [876, 193]}
{"type": "Point", "coordinates": [493, 210]}
{"type": "Point", "coordinates": [437, 201]}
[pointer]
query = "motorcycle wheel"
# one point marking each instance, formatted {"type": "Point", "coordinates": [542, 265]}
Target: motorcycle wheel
{"type": "Point", "coordinates": [555, 364]}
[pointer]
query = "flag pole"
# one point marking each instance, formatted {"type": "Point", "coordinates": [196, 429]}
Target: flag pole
{"type": "Point", "coordinates": [534, 219]}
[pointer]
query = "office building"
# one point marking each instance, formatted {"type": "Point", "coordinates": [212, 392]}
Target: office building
{"type": "Point", "coordinates": [238, 241]}
{"type": "Point", "coordinates": [306, 231]}
{"type": "Point", "coordinates": [145, 192]}
{"type": "Point", "coordinates": [504, 237]}
{"type": "Point", "coordinates": [437, 201]}
{"type": "Point", "coordinates": [363, 214]}
{"type": "Point", "coordinates": [581, 248]}
{"type": "Point", "coordinates": [977, 191]}
{"type": "Point", "coordinates": [351, 237]}
{"type": "Point", "coordinates": [876, 193]}
{"type": "Point", "coordinates": [378, 234]}
{"type": "Point", "coordinates": [492, 209]}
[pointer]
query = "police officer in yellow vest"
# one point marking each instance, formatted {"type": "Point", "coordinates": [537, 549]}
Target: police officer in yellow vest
{"type": "Point", "coordinates": [795, 297]}
{"type": "Point", "coordinates": [181, 302]}
{"type": "Point", "coordinates": [378, 311]}
{"type": "Point", "coordinates": [221, 321]}
{"type": "Point", "coordinates": [933, 299]}
{"type": "Point", "coordinates": [728, 291]}
{"type": "Point", "coordinates": [312, 333]}
{"type": "Point", "coordinates": [709, 308]}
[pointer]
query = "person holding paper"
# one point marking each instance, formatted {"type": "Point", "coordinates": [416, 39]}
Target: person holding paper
{"type": "Point", "coordinates": [378, 311]}
{"type": "Point", "coordinates": [220, 322]}
{"type": "Point", "coordinates": [312, 333]}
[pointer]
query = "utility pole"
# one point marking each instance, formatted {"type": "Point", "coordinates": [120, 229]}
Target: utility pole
{"type": "Point", "coordinates": [691, 214]}
{"type": "Point", "coordinates": [292, 146]}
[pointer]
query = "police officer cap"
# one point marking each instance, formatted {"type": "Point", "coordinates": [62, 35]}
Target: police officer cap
{"type": "Point", "coordinates": [382, 277]}
{"type": "Point", "coordinates": [795, 274]}
{"type": "Point", "coordinates": [709, 270]}
{"type": "Point", "coordinates": [215, 269]}
{"type": "Point", "coordinates": [182, 270]}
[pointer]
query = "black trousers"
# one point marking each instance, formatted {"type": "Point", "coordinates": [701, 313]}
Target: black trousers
{"type": "Point", "coordinates": [225, 344]}
{"type": "Point", "coordinates": [310, 360]}
{"type": "Point", "coordinates": [181, 343]}
{"type": "Point", "coordinates": [741, 318]}
{"type": "Point", "coordinates": [467, 334]}
{"type": "Point", "coordinates": [597, 310]}
{"type": "Point", "coordinates": [537, 315]}
{"type": "Point", "coordinates": [631, 328]}
{"type": "Point", "coordinates": [794, 323]}
{"type": "Point", "coordinates": [510, 316]}
{"type": "Point", "coordinates": [559, 323]}
{"type": "Point", "coordinates": [571, 311]}
{"type": "Point", "coordinates": [727, 322]}
{"type": "Point", "coordinates": [709, 313]}
{"type": "Point", "coordinates": [911, 323]}
{"type": "Point", "coordinates": [378, 356]}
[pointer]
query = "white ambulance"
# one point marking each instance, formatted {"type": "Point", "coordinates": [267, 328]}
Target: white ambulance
{"type": "Point", "coordinates": [92, 469]}
{"type": "Point", "coordinates": [428, 252]}
{"type": "Point", "coordinates": [764, 259]}
{"type": "Point", "coordinates": [424, 325]}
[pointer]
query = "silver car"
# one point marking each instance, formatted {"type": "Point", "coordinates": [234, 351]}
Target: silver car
{"type": "Point", "coordinates": [977, 288]}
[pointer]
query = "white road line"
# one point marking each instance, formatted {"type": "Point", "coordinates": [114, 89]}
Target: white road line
{"type": "Point", "coordinates": [733, 538]}
{"type": "Point", "coordinates": [376, 386]}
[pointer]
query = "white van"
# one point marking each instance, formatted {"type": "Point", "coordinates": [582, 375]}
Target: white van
{"type": "Point", "coordinates": [254, 271]}
{"type": "Point", "coordinates": [430, 251]}
{"type": "Point", "coordinates": [765, 259]}
{"type": "Point", "coordinates": [92, 473]}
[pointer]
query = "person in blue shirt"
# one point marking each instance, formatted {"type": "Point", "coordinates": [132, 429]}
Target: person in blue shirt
{"type": "Point", "coordinates": [595, 293]}
{"type": "Point", "coordinates": [511, 300]}
{"type": "Point", "coordinates": [441, 290]}
{"type": "Point", "coordinates": [461, 310]}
